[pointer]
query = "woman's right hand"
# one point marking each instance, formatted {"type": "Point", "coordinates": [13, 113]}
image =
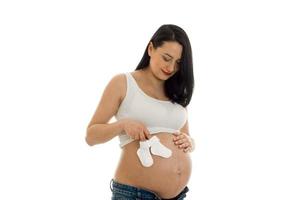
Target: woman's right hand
{"type": "Point", "coordinates": [135, 129]}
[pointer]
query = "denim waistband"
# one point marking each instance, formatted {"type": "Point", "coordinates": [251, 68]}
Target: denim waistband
{"type": "Point", "coordinates": [139, 192]}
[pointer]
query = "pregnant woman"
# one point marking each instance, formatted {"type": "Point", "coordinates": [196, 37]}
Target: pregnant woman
{"type": "Point", "coordinates": [150, 105]}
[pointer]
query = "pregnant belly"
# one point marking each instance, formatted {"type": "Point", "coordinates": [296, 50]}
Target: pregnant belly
{"type": "Point", "coordinates": [167, 177]}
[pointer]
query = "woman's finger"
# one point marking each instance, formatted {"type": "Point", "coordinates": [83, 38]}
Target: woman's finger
{"type": "Point", "coordinates": [184, 145]}
{"type": "Point", "coordinates": [136, 136]}
{"type": "Point", "coordinates": [180, 141]}
{"type": "Point", "coordinates": [147, 134]}
{"type": "Point", "coordinates": [187, 149]}
{"type": "Point", "coordinates": [178, 137]}
{"type": "Point", "coordinates": [142, 137]}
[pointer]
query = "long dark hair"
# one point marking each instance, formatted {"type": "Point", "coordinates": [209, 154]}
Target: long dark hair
{"type": "Point", "coordinates": [179, 87]}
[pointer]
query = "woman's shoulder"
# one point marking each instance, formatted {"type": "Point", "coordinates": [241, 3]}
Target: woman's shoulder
{"type": "Point", "coordinates": [122, 75]}
{"type": "Point", "coordinates": [119, 81]}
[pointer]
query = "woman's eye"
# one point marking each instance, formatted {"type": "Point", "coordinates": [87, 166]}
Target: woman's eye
{"type": "Point", "coordinates": [165, 59]}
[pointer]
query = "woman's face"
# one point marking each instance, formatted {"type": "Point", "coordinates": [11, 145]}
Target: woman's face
{"type": "Point", "coordinates": [165, 60]}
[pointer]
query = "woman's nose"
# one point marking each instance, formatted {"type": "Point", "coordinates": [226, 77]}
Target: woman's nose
{"type": "Point", "coordinates": [171, 67]}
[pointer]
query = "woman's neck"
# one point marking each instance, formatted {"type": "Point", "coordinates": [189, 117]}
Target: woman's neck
{"type": "Point", "coordinates": [151, 79]}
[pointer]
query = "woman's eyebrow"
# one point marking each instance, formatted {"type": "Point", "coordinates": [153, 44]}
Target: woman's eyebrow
{"type": "Point", "coordinates": [170, 55]}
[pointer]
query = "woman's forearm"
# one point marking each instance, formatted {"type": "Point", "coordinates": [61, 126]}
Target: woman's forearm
{"type": "Point", "coordinates": [101, 133]}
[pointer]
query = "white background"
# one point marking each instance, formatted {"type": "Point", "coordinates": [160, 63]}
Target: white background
{"type": "Point", "coordinates": [57, 56]}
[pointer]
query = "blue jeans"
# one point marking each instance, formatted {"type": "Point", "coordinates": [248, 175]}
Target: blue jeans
{"type": "Point", "coordinates": [127, 192]}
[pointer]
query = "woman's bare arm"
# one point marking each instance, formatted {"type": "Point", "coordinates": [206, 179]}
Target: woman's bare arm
{"type": "Point", "coordinates": [98, 130]}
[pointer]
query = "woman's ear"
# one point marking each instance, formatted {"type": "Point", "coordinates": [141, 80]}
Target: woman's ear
{"type": "Point", "coordinates": [150, 49]}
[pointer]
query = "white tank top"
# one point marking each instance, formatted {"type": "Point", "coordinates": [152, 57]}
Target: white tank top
{"type": "Point", "coordinates": [156, 115]}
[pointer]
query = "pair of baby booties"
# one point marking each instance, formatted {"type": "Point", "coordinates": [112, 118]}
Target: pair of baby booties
{"type": "Point", "coordinates": [156, 148]}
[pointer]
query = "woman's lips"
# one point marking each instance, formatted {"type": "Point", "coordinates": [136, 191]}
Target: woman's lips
{"type": "Point", "coordinates": [166, 73]}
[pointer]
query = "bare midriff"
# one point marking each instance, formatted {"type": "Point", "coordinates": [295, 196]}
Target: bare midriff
{"type": "Point", "coordinates": [167, 177]}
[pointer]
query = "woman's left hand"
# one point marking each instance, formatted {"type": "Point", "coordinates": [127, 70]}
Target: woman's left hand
{"type": "Point", "coordinates": [183, 141]}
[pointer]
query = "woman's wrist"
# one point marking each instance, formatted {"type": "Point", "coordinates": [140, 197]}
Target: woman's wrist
{"type": "Point", "coordinates": [121, 124]}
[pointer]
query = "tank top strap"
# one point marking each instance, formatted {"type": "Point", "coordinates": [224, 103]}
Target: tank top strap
{"type": "Point", "coordinates": [130, 80]}
{"type": "Point", "coordinates": [130, 87]}
{"type": "Point", "coordinates": [131, 84]}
